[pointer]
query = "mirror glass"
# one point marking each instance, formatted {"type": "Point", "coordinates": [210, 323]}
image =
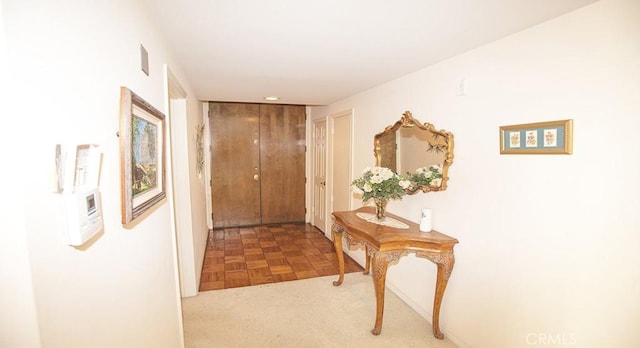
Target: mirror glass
{"type": "Point", "coordinates": [409, 146]}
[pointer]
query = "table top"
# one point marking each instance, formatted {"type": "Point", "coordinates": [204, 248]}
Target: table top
{"type": "Point", "coordinates": [389, 238]}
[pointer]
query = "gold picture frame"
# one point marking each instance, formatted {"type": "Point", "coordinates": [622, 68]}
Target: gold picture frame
{"type": "Point", "coordinates": [541, 138]}
{"type": "Point", "coordinates": [142, 155]}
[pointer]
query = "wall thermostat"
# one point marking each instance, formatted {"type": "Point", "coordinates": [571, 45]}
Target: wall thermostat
{"type": "Point", "coordinates": [84, 216]}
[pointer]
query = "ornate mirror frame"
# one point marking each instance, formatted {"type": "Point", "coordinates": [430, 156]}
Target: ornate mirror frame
{"type": "Point", "coordinates": [441, 142]}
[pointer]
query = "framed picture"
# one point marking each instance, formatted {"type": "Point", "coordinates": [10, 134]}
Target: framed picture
{"type": "Point", "coordinates": [142, 155]}
{"type": "Point", "coordinates": [554, 137]}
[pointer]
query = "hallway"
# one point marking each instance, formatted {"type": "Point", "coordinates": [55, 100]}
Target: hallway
{"type": "Point", "coordinates": [245, 256]}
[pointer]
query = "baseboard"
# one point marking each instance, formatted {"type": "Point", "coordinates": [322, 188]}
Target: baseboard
{"type": "Point", "coordinates": [425, 314]}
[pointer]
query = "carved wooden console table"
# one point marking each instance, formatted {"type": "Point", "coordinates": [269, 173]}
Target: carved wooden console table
{"type": "Point", "coordinates": [384, 245]}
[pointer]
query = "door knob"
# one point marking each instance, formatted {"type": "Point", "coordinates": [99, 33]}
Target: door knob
{"type": "Point", "coordinates": [256, 177]}
{"type": "Point", "coordinates": [323, 183]}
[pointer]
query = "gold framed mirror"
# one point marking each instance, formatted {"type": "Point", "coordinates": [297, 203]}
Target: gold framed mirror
{"type": "Point", "coordinates": [415, 149]}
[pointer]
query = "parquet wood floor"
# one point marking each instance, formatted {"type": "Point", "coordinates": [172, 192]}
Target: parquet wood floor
{"type": "Point", "coordinates": [245, 256]}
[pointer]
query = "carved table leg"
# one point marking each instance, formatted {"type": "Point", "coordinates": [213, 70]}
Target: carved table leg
{"type": "Point", "coordinates": [445, 266]}
{"type": "Point", "coordinates": [380, 263]}
{"type": "Point", "coordinates": [367, 265]}
{"type": "Point", "coordinates": [336, 233]}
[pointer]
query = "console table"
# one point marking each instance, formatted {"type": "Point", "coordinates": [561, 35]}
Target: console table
{"type": "Point", "coordinates": [384, 245]}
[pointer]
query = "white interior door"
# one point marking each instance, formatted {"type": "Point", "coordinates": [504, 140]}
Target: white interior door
{"type": "Point", "coordinates": [320, 175]}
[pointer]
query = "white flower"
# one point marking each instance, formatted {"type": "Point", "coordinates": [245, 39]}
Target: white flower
{"type": "Point", "coordinates": [404, 183]}
{"type": "Point", "coordinates": [367, 187]}
{"type": "Point", "coordinates": [376, 179]}
{"type": "Point", "coordinates": [382, 172]}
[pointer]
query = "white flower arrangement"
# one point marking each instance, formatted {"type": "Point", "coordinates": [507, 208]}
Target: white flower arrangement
{"type": "Point", "coordinates": [380, 183]}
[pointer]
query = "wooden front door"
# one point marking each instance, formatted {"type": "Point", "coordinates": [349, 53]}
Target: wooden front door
{"type": "Point", "coordinates": [282, 160]}
{"type": "Point", "coordinates": [235, 161]}
{"type": "Point", "coordinates": [257, 164]}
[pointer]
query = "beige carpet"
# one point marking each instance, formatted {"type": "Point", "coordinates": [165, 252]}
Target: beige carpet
{"type": "Point", "coordinates": [303, 313]}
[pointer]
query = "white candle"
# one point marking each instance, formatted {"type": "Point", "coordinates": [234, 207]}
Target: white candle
{"type": "Point", "coordinates": [425, 220]}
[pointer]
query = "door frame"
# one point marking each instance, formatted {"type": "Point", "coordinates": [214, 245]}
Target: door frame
{"type": "Point", "coordinates": [180, 203]}
{"type": "Point", "coordinates": [206, 170]}
{"type": "Point", "coordinates": [174, 92]}
{"type": "Point", "coordinates": [332, 152]}
{"type": "Point", "coordinates": [330, 156]}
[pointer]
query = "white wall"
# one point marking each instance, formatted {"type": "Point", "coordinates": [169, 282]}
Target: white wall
{"type": "Point", "coordinates": [548, 243]}
{"type": "Point", "coordinates": [18, 321]}
{"type": "Point", "coordinates": [68, 60]}
{"type": "Point", "coordinates": [197, 188]}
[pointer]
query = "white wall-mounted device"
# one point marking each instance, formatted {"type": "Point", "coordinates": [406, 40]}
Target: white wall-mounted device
{"type": "Point", "coordinates": [78, 176]}
{"type": "Point", "coordinates": [84, 215]}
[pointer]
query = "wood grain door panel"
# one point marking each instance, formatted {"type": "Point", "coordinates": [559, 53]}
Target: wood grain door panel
{"type": "Point", "coordinates": [282, 159]}
{"type": "Point", "coordinates": [257, 163]}
{"type": "Point", "coordinates": [235, 159]}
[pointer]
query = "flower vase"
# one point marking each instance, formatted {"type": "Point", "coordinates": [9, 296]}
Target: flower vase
{"type": "Point", "coordinates": [381, 206]}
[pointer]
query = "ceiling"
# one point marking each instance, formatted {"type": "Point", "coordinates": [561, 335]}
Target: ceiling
{"type": "Point", "coordinates": [316, 52]}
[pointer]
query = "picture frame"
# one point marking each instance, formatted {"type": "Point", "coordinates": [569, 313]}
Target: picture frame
{"type": "Point", "coordinates": [142, 155]}
{"type": "Point", "coordinates": [541, 138]}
